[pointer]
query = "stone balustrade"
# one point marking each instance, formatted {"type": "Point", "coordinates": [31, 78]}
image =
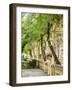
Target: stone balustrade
{"type": "Point", "coordinates": [51, 69]}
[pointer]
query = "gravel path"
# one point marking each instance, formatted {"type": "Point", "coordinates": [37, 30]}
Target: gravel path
{"type": "Point", "coordinates": [32, 72]}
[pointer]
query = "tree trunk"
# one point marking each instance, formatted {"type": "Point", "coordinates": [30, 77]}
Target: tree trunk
{"type": "Point", "coordinates": [30, 53]}
{"type": "Point", "coordinates": [23, 45]}
{"type": "Point", "coordinates": [50, 46]}
{"type": "Point", "coordinates": [43, 49]}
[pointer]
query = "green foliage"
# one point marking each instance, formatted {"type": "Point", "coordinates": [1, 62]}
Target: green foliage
{"type": "Point", "coordinates": [28, 64]}
{"type": "Point", "coordinates": [34, 26]}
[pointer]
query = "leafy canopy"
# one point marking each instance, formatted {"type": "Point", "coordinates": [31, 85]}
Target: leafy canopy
{"type": "Point", "coordinates": [34, 26]}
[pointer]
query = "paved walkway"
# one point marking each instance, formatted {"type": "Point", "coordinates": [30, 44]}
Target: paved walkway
{"type": "Point", "coordinates": [32, 72]}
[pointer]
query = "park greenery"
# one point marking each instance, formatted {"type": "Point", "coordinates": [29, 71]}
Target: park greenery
{"type": "Point", "coordinates": [36, 33]}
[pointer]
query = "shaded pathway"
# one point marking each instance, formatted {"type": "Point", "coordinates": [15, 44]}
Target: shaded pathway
{"type": "Point", "coordinates": [33, 72]}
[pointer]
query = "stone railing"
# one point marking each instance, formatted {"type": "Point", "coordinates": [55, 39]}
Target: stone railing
{"type": "Point", "coordinates": [51, 69]}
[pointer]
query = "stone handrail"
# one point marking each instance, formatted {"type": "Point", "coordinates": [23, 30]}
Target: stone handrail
{"type": "Point", "coordinates": [53, 69]}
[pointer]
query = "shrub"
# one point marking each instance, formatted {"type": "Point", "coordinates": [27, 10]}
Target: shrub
{"type": "Point", "coordinates": [28, 64]}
